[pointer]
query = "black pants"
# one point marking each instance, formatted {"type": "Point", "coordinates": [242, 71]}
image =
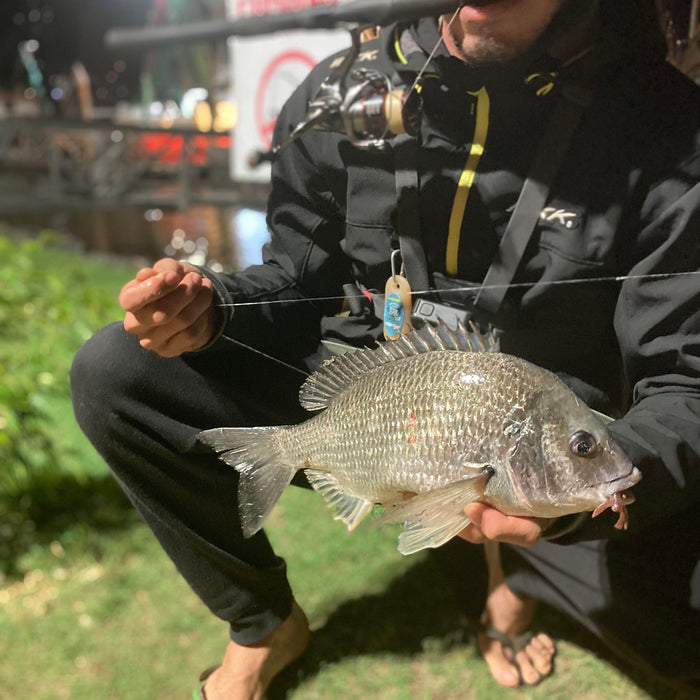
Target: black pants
{"type": "Point", "coordinates": [641, 594]}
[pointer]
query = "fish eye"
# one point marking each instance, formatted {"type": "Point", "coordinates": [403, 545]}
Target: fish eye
{"type": "Point", "coordinates": [582, 443]}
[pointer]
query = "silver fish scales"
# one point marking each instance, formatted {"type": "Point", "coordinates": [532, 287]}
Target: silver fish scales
{"type": "Point", "coordinates": [441, 414]}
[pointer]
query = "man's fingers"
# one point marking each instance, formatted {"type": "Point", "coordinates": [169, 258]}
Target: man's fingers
{"type": "Point", "coordinates": [490, 524]}
{"type": "Point", "coordinates": [169, 307]}
{"type": "Point", "coordinates": [144, 273]}
{"type": "Point", "coordinates": [143, 291]}
{"type": "Point", "coordinates": [163, 308]}
{"type": "Point", "coordinates": [472, 534]}
{"type": "Point", "coordinates": [192, 337]}
{"type": "Point", "coordinates": [152, 283]}
{"type": "Point", "coordinates": [188, 329]}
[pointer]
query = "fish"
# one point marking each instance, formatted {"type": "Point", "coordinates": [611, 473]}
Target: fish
{"type": "Point", "coordinates": [443, 414]}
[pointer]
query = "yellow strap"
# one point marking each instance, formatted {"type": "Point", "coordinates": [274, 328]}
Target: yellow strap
{"type": "Point", "coordinates": [397, 47]}
{"type": "Point", "coordinates": [466, 180]}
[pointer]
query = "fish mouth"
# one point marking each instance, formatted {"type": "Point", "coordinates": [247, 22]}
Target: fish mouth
{"type": "Point", "coordinates": [623, 482]}
{"type": "Point", "coordinates": [617, 496]}
{"type": "Point", "coordinates": [619, 483]}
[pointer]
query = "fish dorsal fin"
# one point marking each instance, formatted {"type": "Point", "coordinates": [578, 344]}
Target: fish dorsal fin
{"type": "Point", "coordinates": [341, 371]}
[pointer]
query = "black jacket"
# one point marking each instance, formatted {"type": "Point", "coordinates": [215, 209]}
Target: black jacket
{"type": "Point", "coordinates": [620, 232]}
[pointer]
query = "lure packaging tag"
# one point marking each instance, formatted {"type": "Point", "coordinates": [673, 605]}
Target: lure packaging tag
{"type": "Point", "coordinates": [397, 307]}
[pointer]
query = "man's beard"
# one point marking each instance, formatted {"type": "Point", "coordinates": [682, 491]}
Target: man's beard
{"type": "Point", "coordinates": [487, 50]}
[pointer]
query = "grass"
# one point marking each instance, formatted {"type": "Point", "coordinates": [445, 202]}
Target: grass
{"type": "Point", "coordinates": [91, 609]}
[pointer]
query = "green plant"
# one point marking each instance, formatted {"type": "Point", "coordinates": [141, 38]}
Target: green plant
{"type": "Point", "coordinates": [48, 308]}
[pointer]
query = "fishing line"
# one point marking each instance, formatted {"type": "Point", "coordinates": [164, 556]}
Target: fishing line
{"type": "Point", "coordinates": [272, 358]}
{"type": "Point", "coordinates": [264, 354]}
{"type": "Point", "coordinates": [430, 57]}
{"type": "Point", "coordinates": [443, 292]}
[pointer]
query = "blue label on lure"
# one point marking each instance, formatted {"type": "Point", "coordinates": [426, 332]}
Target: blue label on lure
{"type": "Point", "coordinates": [393, 314]}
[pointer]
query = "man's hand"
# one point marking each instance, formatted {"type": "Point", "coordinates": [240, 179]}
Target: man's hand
{"type": "Point", "coordinates": [490, 524]}
{"type": "Point", "coordinates": [169, 307]}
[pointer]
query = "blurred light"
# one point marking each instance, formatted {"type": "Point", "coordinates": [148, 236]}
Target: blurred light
{"type": "Point", "coordinates": [29, 93]}
{"type": "Point", "coordinates": [189, 247]}
{"type": "Point", "coordinates": [202, 116]}
{"type": "Point", "coordinates": [190, 100]}
{"type": "Point", "coordinates": [198, 258]}
{"type": "Point", "coordinates": [117, 136]}
{"type": "Point", "coordinates": [250, 229]}
{"type": "Point", "coordinates": [120, 66]}
{"type": "Point", "coordinates": [31, 46]}
{"type": "Point", "coordinates": [34, 15]}
{"type": "Point", "coordinates": [226, 116]}
{"type": "Point", "coordinates": [171, 109]}
{"type": "Point", "coordinates": [47, 15]}
{"type": "Point", "coordinates": [155, 108]}
{"type": "Point", "coordinates": [56, 93]}
{"type": "Point", "coordinates": [102, 92]}
{"type": "Point", "coordinates": [153, 215]}
{"type": "Point", "coordinates": [122, 91]}
{"type": "Point", "coordinates": [112, 77]}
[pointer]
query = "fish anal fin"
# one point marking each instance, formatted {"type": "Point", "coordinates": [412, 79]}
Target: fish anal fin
{"type": "Point", "coordinates": [348, 508]}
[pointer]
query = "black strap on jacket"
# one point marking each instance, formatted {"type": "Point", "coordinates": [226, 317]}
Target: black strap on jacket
{"type": "Point", "coordinates": [408, 213]}
{"type": "Point", "coordinates": [550, 154]}
{"type": "Point", "coordinates": [532, 199]}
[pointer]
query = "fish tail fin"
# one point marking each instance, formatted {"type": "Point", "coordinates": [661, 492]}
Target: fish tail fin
{"type": "Point", "coordinates": [264, 472]}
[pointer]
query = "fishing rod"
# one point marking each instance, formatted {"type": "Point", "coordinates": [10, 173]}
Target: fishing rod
{"type": "Point", "coordinates": [361, 103]}
{"type": "Point", "coordinates": [359, 13]}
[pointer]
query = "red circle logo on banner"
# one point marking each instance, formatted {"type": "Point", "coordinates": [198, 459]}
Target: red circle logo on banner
{"type": "Point", "coordinates": [286, 69]}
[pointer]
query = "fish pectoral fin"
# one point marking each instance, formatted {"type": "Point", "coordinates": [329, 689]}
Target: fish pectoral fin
{"type": "Point", "coordinates": [431, 519]}
{"type": "Point", "coordinates": [348, 508]}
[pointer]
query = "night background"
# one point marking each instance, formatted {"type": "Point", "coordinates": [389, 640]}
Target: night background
{"type": "Point", "coordinates": [107, 163]}
{"type": "Point", "coordinates": [68, 31]}
{"type": "Point", "coordinates": [59, 33]}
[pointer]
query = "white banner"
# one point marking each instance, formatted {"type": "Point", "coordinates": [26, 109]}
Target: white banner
{"type": "Point", "coordinates": [265, 70]}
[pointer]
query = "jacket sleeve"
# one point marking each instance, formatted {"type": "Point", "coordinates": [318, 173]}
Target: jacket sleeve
{"type": "Point", "coordinates": [657, 322]}
{"type": "Point", "coordinates": [303, 268]}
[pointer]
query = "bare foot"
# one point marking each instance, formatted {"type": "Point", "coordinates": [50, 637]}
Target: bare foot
{"type": "Point", "coordinates": [505, 619]}
{"type": "Point", "coordinates": [246, 671]}
{"type": "Point", "coordinates": [512, 664]}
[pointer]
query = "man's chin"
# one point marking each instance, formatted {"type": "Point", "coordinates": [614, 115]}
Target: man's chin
{"type": "Point", "coordinates": [484, 51]}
